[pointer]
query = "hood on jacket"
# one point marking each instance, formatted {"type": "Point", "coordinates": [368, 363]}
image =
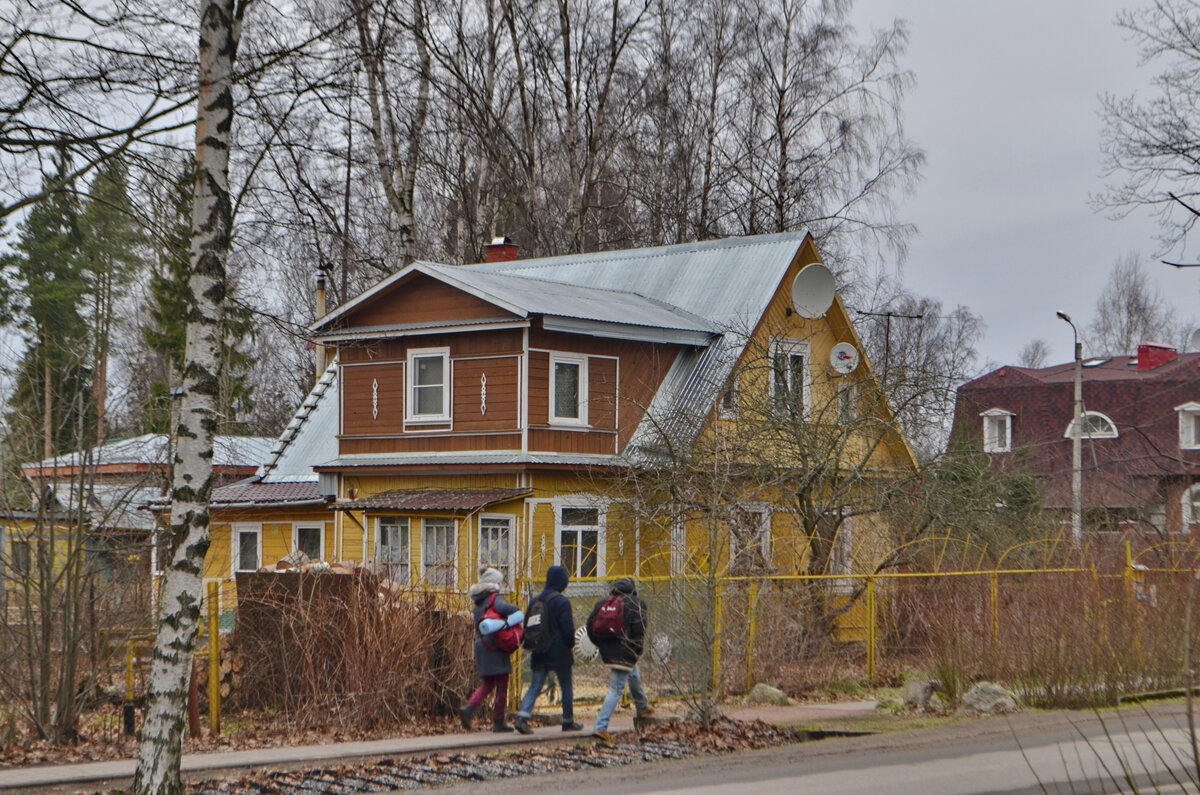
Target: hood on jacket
{"type": "Point", "coordinates": [624, 587]}
{"type": "Point", "coordinates": [480, 590]}
{"type": "Point", "coordinates": [557, 578]}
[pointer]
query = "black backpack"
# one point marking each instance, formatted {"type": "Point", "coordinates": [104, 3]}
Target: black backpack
{"type": "Point", "coordinates": [537, 634]}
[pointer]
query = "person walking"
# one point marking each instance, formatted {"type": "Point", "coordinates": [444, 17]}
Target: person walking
{"type": "Point", "coordinates": [552, 639]}
{"type": "Point", "coordinates": [493, 663]}
{"type": "Point", "coordinates": [617, 625]}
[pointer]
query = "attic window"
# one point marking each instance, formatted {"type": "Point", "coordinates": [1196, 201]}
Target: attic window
{"type": "Point", "coordinates": [997, 431]}
{"type": "Point", "coordinates": [1095, 426]}
{"type": "Point", "coordinates": [1096, 362]}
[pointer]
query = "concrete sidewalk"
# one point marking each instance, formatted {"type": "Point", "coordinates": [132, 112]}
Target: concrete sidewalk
{"type": "Point", "coordinates": [100, 775]}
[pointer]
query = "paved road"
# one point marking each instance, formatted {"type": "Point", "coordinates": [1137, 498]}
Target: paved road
{"type": "Point", "coordinates": [1034, 753]}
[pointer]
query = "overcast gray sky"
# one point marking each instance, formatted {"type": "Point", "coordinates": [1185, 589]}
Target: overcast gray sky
{"type": "Point", "coordinates": [1006, 109]}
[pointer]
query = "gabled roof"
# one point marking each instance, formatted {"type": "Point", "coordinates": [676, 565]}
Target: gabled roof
{"type": "Point", "coordinates": [310, 438]}
{"type": "Point", "coordinates": [153, 448]}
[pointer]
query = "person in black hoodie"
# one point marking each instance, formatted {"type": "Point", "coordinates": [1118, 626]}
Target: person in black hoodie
{"type": "Point", "coordinates": [621, 654]}
{"type": "Point", "coordinates": [560, 624]}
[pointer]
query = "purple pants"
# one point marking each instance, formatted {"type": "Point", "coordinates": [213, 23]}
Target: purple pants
{"type": "Point", "coordinates": [499, 683]}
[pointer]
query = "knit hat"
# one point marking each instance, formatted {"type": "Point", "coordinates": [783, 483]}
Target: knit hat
{"type": "Point", "coordinates": [494, 576]}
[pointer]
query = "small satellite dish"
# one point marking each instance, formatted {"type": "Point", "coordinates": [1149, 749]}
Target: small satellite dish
{"type": "Point", "coordinates": [1194, 341]}
{"type": "Point", "coordinates": [843, 358]}
{"type": "Point", "coordinates": [812, 291]}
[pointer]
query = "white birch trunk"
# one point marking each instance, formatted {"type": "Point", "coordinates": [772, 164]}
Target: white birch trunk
{"type": "Point", "coordinates": [188, 536]}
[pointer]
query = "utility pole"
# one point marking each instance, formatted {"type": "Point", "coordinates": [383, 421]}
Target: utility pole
{"type": "Point", "coordinates": [887, 332]}
{"type": "Point", "coordinates": [1076, 437]}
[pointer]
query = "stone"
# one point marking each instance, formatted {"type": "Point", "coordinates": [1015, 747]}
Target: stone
{"type": "Point", "coordinates": [936, 704]}
{"type": "Point", "coordinates": [988, 698]}
{"type": "Point", "coordinates": [766, 694]}
{"type": "Point", "coordinates": [918, 692]}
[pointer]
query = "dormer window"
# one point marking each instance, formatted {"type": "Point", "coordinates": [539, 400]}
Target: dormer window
{"type": "Point", "coordinates": [428, 384]}
{"type": "Point", "coordinates": [1189, 426]}
{"type": "Point", "coordinates": [997, 431]}
{"type": "Point", "coordinates": [568, 386]}
{"type": "Point", "coordinates": [1094, 426]}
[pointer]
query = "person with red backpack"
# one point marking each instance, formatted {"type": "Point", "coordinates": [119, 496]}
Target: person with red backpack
{"type": "Point", "coordinates": [617, 626]}
{"type": "Point", "coordinates": [497, 636]}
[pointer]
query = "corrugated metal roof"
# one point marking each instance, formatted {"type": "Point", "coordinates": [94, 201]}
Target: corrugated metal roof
{"type": "Point", "coordinates": [481, 458]}
{"type": "Point", "coordinates": [455, 500]}
{"type": "Point", "coordinates": [152, 448]}
{"type": "Point", "coordinates": [310, 437]}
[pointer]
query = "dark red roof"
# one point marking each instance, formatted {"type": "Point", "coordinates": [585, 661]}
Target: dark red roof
{"type": "Point", "coordinates": [272, 493]}
{"type": "Point", "coordinates": [453, 500]}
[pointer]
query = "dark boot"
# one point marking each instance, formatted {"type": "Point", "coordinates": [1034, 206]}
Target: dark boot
{"type": "Point", "coordinates": [572, 727]}
{"type": "Point", "coordinates": [522, 725]}
{"type": "Point", "coordinates": [499, 727]}
{"type": "Point", "coordinates": [465, 714]}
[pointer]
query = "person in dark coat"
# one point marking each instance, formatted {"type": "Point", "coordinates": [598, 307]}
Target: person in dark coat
{"type": "Point", "coordinates": [621, 654]}
{"type": "Point", "coordinates": [560, 624]}
{"type": "Point", "coordinates": [494, 665]}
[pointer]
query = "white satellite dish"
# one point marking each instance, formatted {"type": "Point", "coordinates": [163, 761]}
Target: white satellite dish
{"type": "Point", "coordinates": [812, 291]}
{"type": "Point", "coordinates": [843, 358]}
{"type": "Point", "coordinates": [1194, 341]}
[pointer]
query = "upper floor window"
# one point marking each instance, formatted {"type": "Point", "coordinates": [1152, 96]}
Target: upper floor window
{"type": "Point", "coordinates": [428, 379]}
{"type": "Point", "coordinates": [847, 402]}
{"type": "Point", "coordinates": [997, 431]}
{"type": "Point", "coordinates": [1094, 425]}
{"type": "Point", "coordinates": [568, 388]}
{"type": "Point", "coordinates": [1189, 426]}
{"type": "Point", "coordinates": [790, 381]}
{"type": "Point", "coordinates": [727, 409]}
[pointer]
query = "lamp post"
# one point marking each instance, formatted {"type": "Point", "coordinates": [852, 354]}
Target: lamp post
{"type": "Point", "coordinates": [1076, 436]}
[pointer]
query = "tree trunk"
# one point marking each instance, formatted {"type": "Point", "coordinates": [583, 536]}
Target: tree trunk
{"type": "Point", "coordinates": [161, 744]}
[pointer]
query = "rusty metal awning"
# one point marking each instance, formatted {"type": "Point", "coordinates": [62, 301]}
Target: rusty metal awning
{"type": "Point", "coordinates": [447, 500]}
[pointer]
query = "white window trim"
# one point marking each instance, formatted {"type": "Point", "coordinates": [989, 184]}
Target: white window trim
{"type": "Point", "coordinates": [582, 362]}
{"type": "Point", "coordinates": [583, 501]}
{"type": "Point", "coordinates": [1189, 439]}
{"type": "Point", "coordinates": [764, 530]}
{"type": "Point", "coordinates": [512, 537]}
{"type": "Point", "coordinates": [790, 347]}
{"type": "Point", "coordinates": [989, 439]}
{"type": "Point", "coordinates": [410, 386]}
{"type": "Point", "coordinates": [1071, 427]}
{"type": "Point", "coordinates": [408, 546]}
{"type": "Point", "coordinates": [235, 544]}
{"type": "Point", "coordinates": [454, 530]}
{"type": "Point", "coordinates": [1186, 517]}
{"type": "Point", "coordinates": [318, 526]}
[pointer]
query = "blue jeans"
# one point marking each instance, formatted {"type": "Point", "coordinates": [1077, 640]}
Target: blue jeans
{"type": "Point", "coordinates": [616, 689]}
{"type": "Point", "coordinates": [535, 687]}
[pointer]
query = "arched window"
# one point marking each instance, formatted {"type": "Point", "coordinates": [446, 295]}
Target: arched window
{"type": "Point", "coordinates": [1095, 426]}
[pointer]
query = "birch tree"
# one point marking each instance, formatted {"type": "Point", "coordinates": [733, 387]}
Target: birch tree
{"type": "Point", "coordinates": [188, 534]}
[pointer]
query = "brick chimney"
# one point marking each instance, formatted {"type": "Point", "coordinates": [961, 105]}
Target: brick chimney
{"type": "Point", "coordinates": [1155, 354]}
{"type": "Point", "coordinates": [501, 249]}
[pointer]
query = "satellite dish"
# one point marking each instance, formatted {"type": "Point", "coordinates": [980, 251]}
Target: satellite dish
{"type": "Point", "coordinates": [1194, 341]}
{"type": "Point", "coordinates": [843, 358]}
{"type": "Point", "coordinates": [812, 291]}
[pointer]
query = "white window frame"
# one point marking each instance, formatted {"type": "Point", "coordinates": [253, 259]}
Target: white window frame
{"type": "Point", "coordinates": [601, 527]}
{"type": "Point", "coordinates": [847, 395]}
{"type": "Point", "coordinates": [450, 581]}
{"type": "Point", "coordinates": [235, 545]}
{"type": "Point", "coordinates": [1106, 435]}
{"type": "Point", "coordinates": [763, 511]}
{"type": "Point", "coordinates": [991, 441]}
{"type": "Point", "coordinates": [398, 570]}
{"type": "Point", "coordinates": [410, 385]}
{"type": "Point", "coordinates": [581, 361]}
{"type": "Point", "coordinates": [790, 348]}
{"type": "Point", "coordinates": [1189, 426]}
{"type": "Point", "coordinates": [508, 566]}
{"type": "Point", "coordinates": [1188, 517]}
{"type": "Point", "coordinates": [319, 527]}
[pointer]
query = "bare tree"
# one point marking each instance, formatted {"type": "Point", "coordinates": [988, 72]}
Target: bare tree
{"type": "Point", "coordinates": [1034, 353]}
{"type": "Point", "coordinates": [1131, 310]}
{"type": "Point", "coordinates": [188, 535]}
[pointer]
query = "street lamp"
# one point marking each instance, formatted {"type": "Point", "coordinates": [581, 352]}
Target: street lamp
{"type": "Point", "coordinates": [1076, 436]}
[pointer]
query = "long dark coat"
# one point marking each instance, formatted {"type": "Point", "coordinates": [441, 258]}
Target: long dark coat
{"type": "Point", "coordinates": [491, 662]}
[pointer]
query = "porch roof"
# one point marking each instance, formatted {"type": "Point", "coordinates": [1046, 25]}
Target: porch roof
{"type": "Point", "coordinates": [452, 500]}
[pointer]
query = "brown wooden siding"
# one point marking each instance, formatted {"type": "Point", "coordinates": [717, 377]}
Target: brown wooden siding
{"type": "Point", "coordinates": [420, 299]}
{"type": "Point", "coordinates": [503, 383]}
{"type": "Point", "coordinates": [430, 444]}
{"type": "Point", "coordinates": [602, 393]}
{"type": "Point", "coordinates": [547, 440]}
{"type": "Point", "coordinates": [539, 388]}
{"type": "Point", "coordinates": [487, 343]}
{"type": "Point", "coordinates": [357, 396]}
{"type": "Point", "coordinates": [643, 368]}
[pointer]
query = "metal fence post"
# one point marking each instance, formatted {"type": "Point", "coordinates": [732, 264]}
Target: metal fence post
{"type": "Point", "coordinates": [995, 585]}
{"type": "Point", "coordinates": [214, 659]}
{"type": "Point", "coordinates": [871, 629]}
{"type": "Point", "coordinates": [718, 629]}
{"type": "Point", "coordinates": [751, 632]}
{"type": "Point", "coordinates": [127, 709]}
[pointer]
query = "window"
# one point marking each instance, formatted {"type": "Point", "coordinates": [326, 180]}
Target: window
{"type": "Point", "coordinates": [749, 540]}
{"type": "Point", "coordinates": [247, 547]}
{"type": "Point", "coordinates": [1191, 508]}
{"type": "Point", "coordinates": [393, 546]}
{"type": "Point", "coordinates": [847, 402]}
{"type": "Point", "coordinates": [789, 378]}
{"type": "Point", "coordinates": [841, 558]}
{"type": "Point", "coordinates": [728, 407]}
{"type": "Point", "coordinates": [310, 541]}
{"type": "Point", "coordinates": [568, 386]}
{"type": "Point", "coordinates": [21, 562]}
{"type": "Point", "coordinates": [579, 537]}
{"type": "Point", "coordinates": [495, 543]}
{"type": "Point", "coordinates": [428, 384]}
{"type": "Point", "coordinates": [997, 431]}
{"type": "Point", "coordinates": [1189, 426]}
{"type": "Point", "coordinates": [1094, 426]}
{"type": "Point", "coordinates": [439, 551]}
